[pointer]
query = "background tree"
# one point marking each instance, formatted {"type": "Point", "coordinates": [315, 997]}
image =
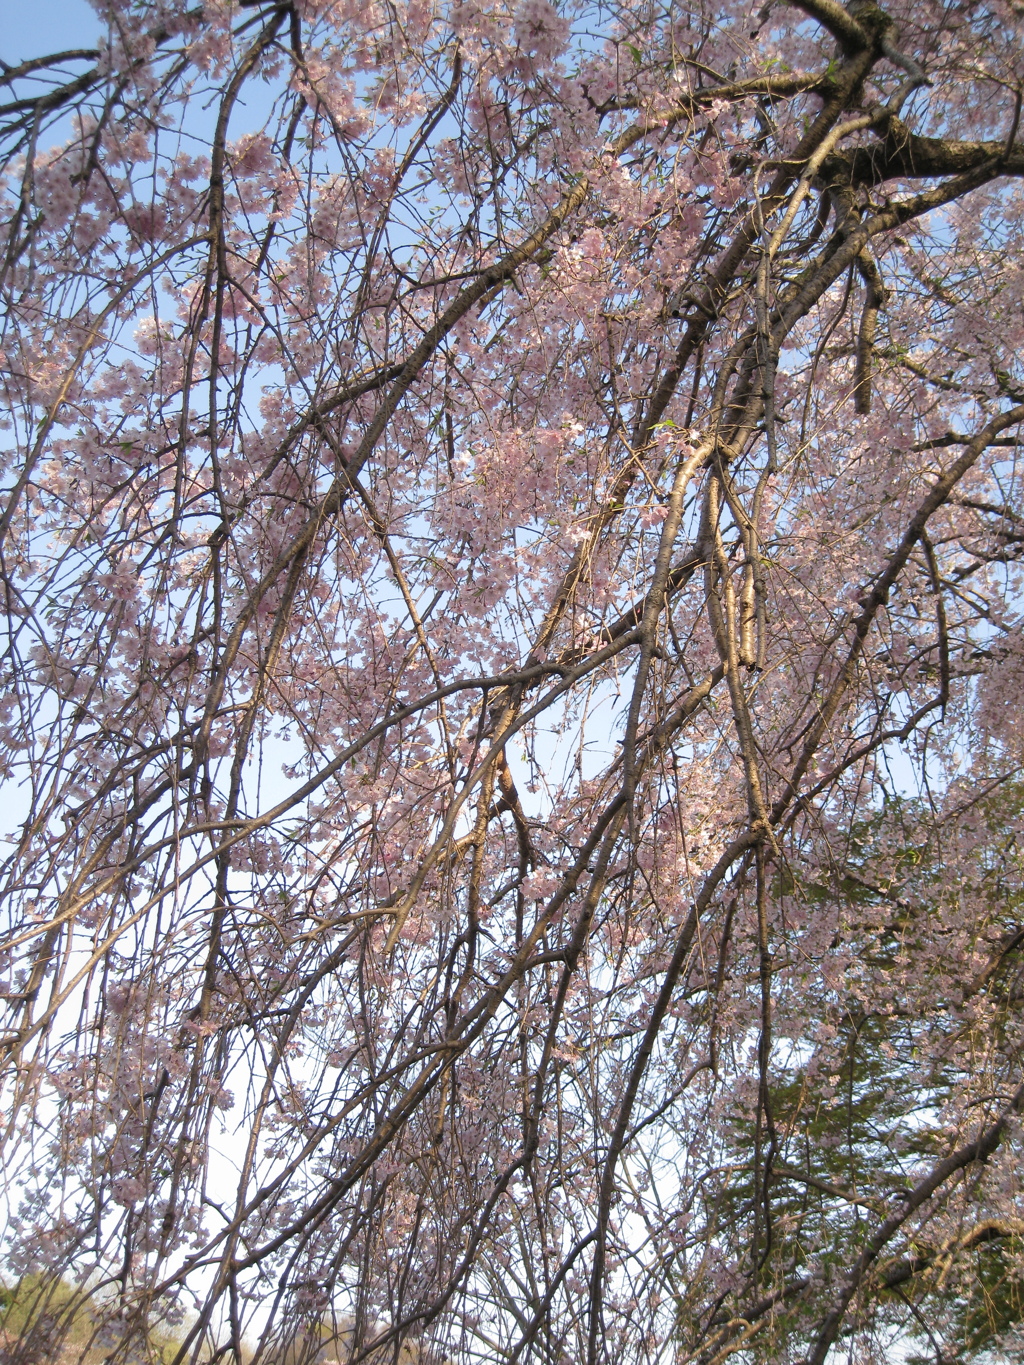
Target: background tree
{"type": "Point", "coordinates": [513, 677]}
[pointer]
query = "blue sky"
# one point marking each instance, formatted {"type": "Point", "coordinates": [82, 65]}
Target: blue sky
{"type": "Point", "coordinates": [30, 28]}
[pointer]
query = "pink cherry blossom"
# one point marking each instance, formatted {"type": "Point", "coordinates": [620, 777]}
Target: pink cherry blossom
{"type": "Point", "coordinates": [513, 684]}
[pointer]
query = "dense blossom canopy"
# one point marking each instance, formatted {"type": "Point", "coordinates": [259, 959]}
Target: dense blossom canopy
{"type": "Point", "coordinates": [512, 682]}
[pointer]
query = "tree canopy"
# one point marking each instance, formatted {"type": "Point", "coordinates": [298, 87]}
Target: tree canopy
{"type": "Point", "coordinates": [512, 681]}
